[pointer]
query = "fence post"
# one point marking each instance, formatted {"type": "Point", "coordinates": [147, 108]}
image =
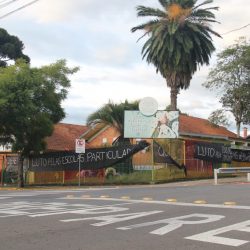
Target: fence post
{"type": "Point", "coordinates": [63, 180]}
{"type": "Point", "coordinates": [215, 177]}
{"type": "Point", "coordinates": [152, 170]}
{"type": "Point", "coordinates": [184, 152]}
{"type": "Point", "coordinates": [2, 171]}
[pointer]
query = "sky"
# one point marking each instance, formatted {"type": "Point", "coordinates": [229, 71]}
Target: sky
{"type": "Point", "coordinates": [95, 35]}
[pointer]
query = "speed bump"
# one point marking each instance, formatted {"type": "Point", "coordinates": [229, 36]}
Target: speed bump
{"type": "Point", "coordinates": [229, 203]}
{"type": "Point", "coordinates": [147, 199]}
{"type": "Point", "coordinates": [86, 196]}
{"type": "Point", "coordinates": [125, 197]}
{"type": "Point", "coordinates": [200, 202]}
{"type": "Point", "coordinates": [171, 200]}
{"type": "Point", "coordinates": [70, 196]}
{"type": "Point", "coordinates": [104, 196]}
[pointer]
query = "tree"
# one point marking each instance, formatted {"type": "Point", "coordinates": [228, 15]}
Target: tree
{"type": "Point", "coordinates": [231, 78]}
{"type": "Point", "coordinates": [219, 118]}
{"type": "Point", "coordinates": [113, 114]}
{"type": "Point", "coordinates": [30, 104]}
{"type": "Point", "coordinates": [179, 40]}
{"type": "Point", "coordinates": [11, 48]}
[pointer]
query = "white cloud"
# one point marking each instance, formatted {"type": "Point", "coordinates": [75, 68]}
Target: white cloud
{"type": "Point", "coordinates": [96, 36]}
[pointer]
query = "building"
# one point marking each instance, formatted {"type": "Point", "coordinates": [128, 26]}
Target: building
{"type": "Point", "coordinates": [191, 131]}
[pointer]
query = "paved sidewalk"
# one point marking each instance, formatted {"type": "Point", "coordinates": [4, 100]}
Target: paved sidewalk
{"type": "Point", "coordinates": [232, 180]}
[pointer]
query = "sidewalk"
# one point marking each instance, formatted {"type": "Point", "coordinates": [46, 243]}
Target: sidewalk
{"type": "Point", "coordinates": [221, 180]}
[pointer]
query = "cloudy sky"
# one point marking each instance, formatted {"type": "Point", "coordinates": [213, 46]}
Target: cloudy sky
{"type": "Point", "coordinates": [95, 35]}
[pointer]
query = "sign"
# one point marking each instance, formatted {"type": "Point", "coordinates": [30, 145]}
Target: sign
{"type": "Point", "coordinates": [241, 155]}
{"type": "Point", "coordinates": [80, 146]}
{"type": "Point", "coordinates": [163, 124]}
{"type": "Point", "coordinates": [216, 152]}
{"type": "Point", "coordinates": [148, 106]}
{"type": "Point", "coordinates": [12, 163]}
{"type": "Point", "coordinates": [92, 159]}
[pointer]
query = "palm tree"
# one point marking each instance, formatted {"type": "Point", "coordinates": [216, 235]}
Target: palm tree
{"type": "Point", "coordinates": [113, 114]}
{"type": "Point", "coordinates": [179, 40]}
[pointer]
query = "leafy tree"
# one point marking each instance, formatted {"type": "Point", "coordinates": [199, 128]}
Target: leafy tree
{"type": "Point", "coordinates": [218, 117]}
{"type": "Point", "coordinates": [30, 104]}
{"type": "Point", "coordinates": [113, 114]}
{"type": "Point", "coordinates": [179, 40]}
{"type": "Point", "coordinates": [231, 78]}
{"type": "Point", "coordinates": [11, 48]}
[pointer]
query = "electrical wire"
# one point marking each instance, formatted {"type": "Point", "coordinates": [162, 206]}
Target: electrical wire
{"type": "Point", "coordinates": [6, 4]}
{"type": "Point", "coordinates": [3, 1]}
{"type": "Point", "coordinates": [20, 8]}
{"type": "Point", "coordinates": [243, 27]}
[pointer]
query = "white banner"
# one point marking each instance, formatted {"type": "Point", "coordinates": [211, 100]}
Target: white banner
{"type": "Point", "coordinates": [163, 124]}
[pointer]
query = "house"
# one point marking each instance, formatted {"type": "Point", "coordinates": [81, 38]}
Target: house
{"type": "Point", "coordinates": [195, 127]}
{"type": "Point", "coordinates": [191, 130]}
{"type": "Point", "coordinates": [100, 135]}
{"type": "Point", "coordinates": [63, 137]}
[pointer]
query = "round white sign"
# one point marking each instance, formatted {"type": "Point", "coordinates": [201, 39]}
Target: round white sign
{"type": "Point", "coordinates": [148, 106]}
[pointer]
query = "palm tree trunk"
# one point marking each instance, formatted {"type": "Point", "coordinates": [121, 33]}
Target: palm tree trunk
{"type": "Point", "coordinates": [173, 97]}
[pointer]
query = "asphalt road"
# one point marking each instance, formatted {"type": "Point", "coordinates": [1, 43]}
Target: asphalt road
{"type": "Point", "coordinates": [188, 215]}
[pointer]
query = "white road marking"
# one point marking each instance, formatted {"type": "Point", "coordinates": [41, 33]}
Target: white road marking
{"type": "Point", "coordinates": [183, 204]}
{"type": "Point", "coordinates": [211, 236]}
{"type": "Point", "coordinates": [38, 209]}
{"type": "Point", "coordinates": [176, 222]}
{"type": "Point", "coordinates": [87, 211]}
{"type": "Point", "coordinates": [110, 219]}
{"type": "Point", "coordinates": [43, 192]}
{"type": "Point", "coordinates": [104, 216]}
{"type": "Point", "coordinates": [16, 195]}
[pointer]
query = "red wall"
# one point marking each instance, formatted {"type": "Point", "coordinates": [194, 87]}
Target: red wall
{"type": "Point", "coordinates": [196, 167]}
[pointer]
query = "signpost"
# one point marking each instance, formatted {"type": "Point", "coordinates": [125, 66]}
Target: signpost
{"type": "Point", "coordinates": [79, 149]}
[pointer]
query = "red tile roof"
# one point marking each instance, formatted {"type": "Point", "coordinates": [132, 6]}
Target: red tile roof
{"type": "Point", "coordinates": [194, 125]}
{"type": "Point", "coordinates": [63, 137]}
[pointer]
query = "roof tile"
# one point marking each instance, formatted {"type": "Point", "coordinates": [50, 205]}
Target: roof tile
{"type": "Point", "coordinates": [63, 137]}
{"type": "Point", "coordinates": [195, 125]}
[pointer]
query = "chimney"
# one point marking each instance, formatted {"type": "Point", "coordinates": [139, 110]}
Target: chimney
{"type": "Point", "coordinates": [245, 132]}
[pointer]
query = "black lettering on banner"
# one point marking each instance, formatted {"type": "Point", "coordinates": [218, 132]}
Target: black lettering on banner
{"type": "Point", "coordinates": [91, 159]}
{"type": "Point", "coordinates": [241, 155]}
{"type": "Point", "coordinates": [214, 152]}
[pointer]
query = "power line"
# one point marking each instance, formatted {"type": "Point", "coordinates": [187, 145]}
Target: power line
{"type": "Point", "coordinates": [243, 27]}
{"type": "Point", "coordinates": [20, 8]}
{"type": "Point", "coordinates": [3, 1]}
{"type": "Point", "coordinates": [6, 4]}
